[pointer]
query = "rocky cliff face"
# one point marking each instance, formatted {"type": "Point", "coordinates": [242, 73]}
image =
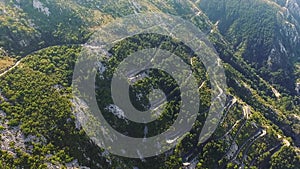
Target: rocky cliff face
{"type": "Point", "coordinates": [292, 15]}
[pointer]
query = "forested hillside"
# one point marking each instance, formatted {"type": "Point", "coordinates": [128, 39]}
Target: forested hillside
{"type": "Point", "coordinates": [258, 42]}
{"type": "Point", "coordinates": [264, 33]}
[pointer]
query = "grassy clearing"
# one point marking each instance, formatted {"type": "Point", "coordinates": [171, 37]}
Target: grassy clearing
{"type": "Point", "coordinates": [5, 63]}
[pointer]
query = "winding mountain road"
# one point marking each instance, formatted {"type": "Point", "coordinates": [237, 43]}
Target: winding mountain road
{"type": "Point", "coordinates": [18, 62]}
{"type": "Point", "coordinates": [260, 133]}
{"type": "Point", "coordinates": [8, 70]}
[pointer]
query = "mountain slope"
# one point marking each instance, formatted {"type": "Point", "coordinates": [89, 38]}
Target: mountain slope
{"type": "Point", "coordinates": [257, 42]}
{"type": "Point", "coordinates": [264, 33]}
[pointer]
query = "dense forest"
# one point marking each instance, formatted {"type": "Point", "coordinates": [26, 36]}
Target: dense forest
{"type": "Point", "coordinates": [258, 43]}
